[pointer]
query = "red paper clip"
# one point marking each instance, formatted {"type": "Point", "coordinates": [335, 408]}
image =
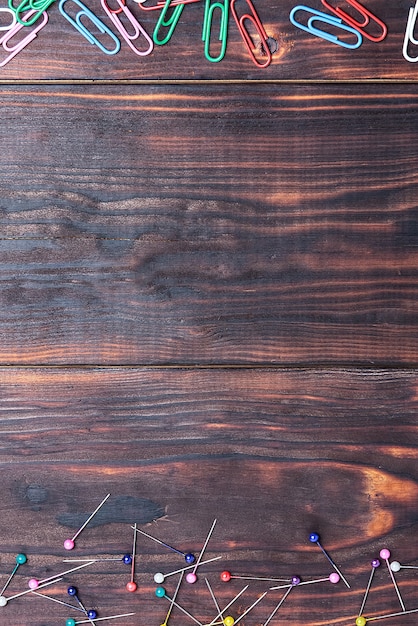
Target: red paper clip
{"type": "Point", "coordinates": [249, 43]}
{"type": "Point", "coordinates": [367, 15]}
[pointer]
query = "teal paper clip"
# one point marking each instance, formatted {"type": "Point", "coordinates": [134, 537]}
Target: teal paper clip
{"type": "Point", "coordinates": [38, 6]}
{"type": "Point", "coordinates": [223, 29]}
{"type": "Point", "coordinates": [170, 22]}
{"type": "Point", "coordinates": [78, 25]}
{"type": "Point", "coordinates": [318, 16]}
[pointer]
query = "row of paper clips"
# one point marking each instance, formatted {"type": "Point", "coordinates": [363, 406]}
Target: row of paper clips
{"type": "Point", "coordinates": [259, 45]}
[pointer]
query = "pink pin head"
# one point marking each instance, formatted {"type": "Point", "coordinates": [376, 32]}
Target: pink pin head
{"type": "Point", "coordinates": [225, 576]}
{"type": "Point", "coordinates": [33, 583]}
{"type": "Point", "coordinates": [69, 544]}
{"type": "Point", "coordinates": [334, 578]}
{"type": "Point", "coordinates": [131, 586]}
{"type": "Point", "coordinates": [384, 554]}
{"type": "Point", "coordinates": [191, 578]}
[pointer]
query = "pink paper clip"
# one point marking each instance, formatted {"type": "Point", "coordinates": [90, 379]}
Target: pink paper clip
{"type": "Point", "coordinates": [137, 27]}
{"type": "Point", "coordinates": [14, 50]}
{"type": "Point", "coordinates": [367, 15]}
{"type": "Point", "coordinates": [160, 4]}
{"type": "Point", "coordinates": [249, 43]}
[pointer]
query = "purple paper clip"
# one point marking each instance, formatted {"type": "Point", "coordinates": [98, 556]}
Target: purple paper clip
{"type": "Point", "coordinates": [14, 50]}
{"type": "Point", "coordinates": [138, 29]}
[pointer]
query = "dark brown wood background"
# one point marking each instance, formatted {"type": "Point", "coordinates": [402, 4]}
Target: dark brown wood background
{"type": "Point", "coordinates": [208, 289]}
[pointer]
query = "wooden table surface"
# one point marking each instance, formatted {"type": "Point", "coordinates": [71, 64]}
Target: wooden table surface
{"type": "Point", "coordinates": [208, 289]}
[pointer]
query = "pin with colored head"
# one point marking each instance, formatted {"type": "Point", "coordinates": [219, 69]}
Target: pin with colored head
{"type": "Point", "coordinates": [314, 538]}
{"type": "Point", "coordinates": [188, 556]}
{"type": "Point", "coordinates": [226, 576]}
{"type": "Point", "coordinates": [20, 560]}
{"type": "Point", "coordinates": [71, 622]}
{"type": "Point", "coordinates": [70, 543]}
{"type": "Point", "coordinates": [385, 555]}
{"type": "Point", "coordinates": [131, 585]}
{"type": "Point", "coordinates": [73, 593]}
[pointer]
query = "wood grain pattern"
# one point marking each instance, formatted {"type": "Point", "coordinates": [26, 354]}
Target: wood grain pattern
{"type": "Point", "coordinates": [60, 52]}
{"type": "Point", "coordinates": [277, 226]}
{"type": "Point", "coordinates": [271, 454]}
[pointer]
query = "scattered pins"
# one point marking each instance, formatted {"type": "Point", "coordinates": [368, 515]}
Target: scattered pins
{"type": "Point", "coordinates": [34, 583]}
{"type": "Point", "coordinates": [70, 543]}
{"type": "Point", "coordinates": [314, 538]}
{"type": "Point", "coordinates": [160, 593]}
{"type": "Point", "coordinates": [131, 585]}
{"type": "Point", "coordinates": [44, 595]}
{"type": "Point", "coordinates": [20, 560]}
{"type": "Point", "coordinates": [360, 621]}
{"type": "Point", "coordinates": [159, 577]}
{"type": "Point", "coordinates": [220, 613]}
{"type": "Point", "coordinates": [250, 608]}
{"type": "Point", "coordinates": [188, 556]}
{"type": "Point", "coordinates": [227, 576]}
{"type": "Point", "coordinates": [167, 617]}
{"type": "Point", "coordinates": [295, 581]}
{"type": "Point", "coordinates": [228, 620]}
{"type": "Point", "coordinates": [191, 576]}
{"type": "Point", "coordinates": [72, 592]}
{"type": "Point", "coordinates": [71, 622]}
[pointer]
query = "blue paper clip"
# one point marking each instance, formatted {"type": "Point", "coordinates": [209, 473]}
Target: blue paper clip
{"type": "Point", "coordinates": [409, 33]}
{"type": "Point", "coordinates": [318, 16]}
{"type": "Point", "coordinates": [78, 25]}
{"type": "Point", "coordinates": [36, 8]}
{"type": "Point", "coordinates": [223, 28]}
{"type": "Point", "coordinates": [170, 22]}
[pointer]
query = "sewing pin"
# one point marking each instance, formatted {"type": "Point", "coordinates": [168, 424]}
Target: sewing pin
{"type": "Point", "coordinates": [72, 591]}
{"type": "Point", "coordinates": [226, 577]}
{"type": "Point", "coordinates": [159, 577]}
{"type": "Point", "coordinates": [167, 617]}
{"type": "Point", "coordinates": [227, 606]}
{"type": "Point", "coordinates": [332, 578]}
{"type": "Point", "coordinates": [34, 583]}
{"type": "Point", "coordinates": [69, 543]}
{"type": "Point", "coordinates": [277, 607]}
{"type": "Point", "coordinates": [228, 620]}
{"type": "Point", "coordinates": [131, 585]}
{"type": "Point", "coordinates": [160, 593]}
{"type": "Point", "coordinates": [20, 560]}
{"type": "Point", "coordinates": [188, 556]}
{"type": "Point", "coordinates": [71, 622]}
{"type": "Point", "coordinates": [4, 600]}
{"type": "Point", "coordinates": [314, 538]}
{"type": "Point", "coordinates": [395, 566]}
{"type": "Point", "coordinates": [385, 554]}
{"type": "Point", "coordinates": [191, 576]}
{"type": "Point", "coordinates": [126, 558]}
{"type": "Point", "coordinates": [375, 564]}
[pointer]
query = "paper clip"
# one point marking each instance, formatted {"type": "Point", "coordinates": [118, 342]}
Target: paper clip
{"type": "Point", "coordinates": [160, 4]}
{"type": "Point", "coordinates": [170, 22]}
{"type": "Point", "coordinates": [367, 15]}
{"type": "Point", "coordinates": [249, 43]}
{"type": "Point", "coordinates": [409, 33]}
{"type": "Point", "coordinates": [78, 25]}
{"type": "Point", "coordinates": [25, 41]}
{"type": "Point", "coordinates": [36, 7]}
{"type": "Point", "coordinates": [318, 16]}
{"type": "Point", "coordinates": [13, 22]}
{"type": "Point", "coordinates": [223, 29]}
{"type": "Point", "coordinates": [137, 27]}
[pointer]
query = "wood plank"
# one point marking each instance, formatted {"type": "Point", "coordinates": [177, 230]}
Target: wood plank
{"type": "Point", "coordinates": [60, 52]}
{"type": "Point", "coordinates": [271, 454]}
{"type": "Point", "coordinates": [208, 226]}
